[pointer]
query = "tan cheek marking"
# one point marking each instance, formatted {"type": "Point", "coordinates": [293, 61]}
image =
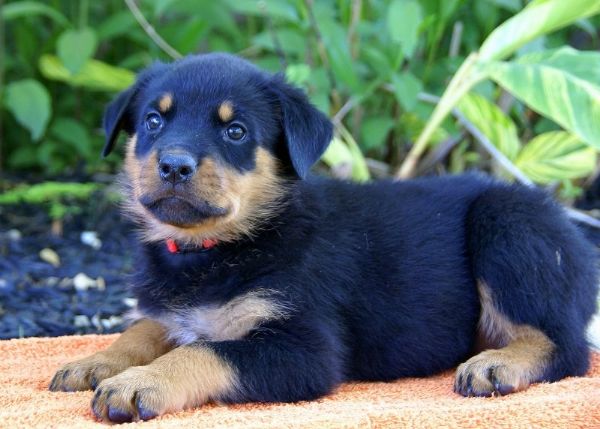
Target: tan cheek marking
{"type": "Point", "coordinates": [226, 111]}
{"type": "Point", "coordinates": [165, 103]}
{"type": "Point", "coordinates": [251, 198]}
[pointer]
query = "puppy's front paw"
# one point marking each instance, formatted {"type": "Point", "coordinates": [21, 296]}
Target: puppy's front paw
{"type": "Point", "coordinates": [493, 372]}
{"type": "Point", "coordinates": [139, 393]}
{"type": "Point", "coordinates": [86, 373]}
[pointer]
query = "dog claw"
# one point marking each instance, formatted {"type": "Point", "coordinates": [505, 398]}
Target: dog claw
{"type": "Point", "coordinates": [143, 412]}
{"type": "Point", "coordinates": [119, 416]}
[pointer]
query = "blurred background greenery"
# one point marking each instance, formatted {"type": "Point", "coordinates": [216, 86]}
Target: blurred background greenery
{"type": "Point", "coordinates": [520, 80]}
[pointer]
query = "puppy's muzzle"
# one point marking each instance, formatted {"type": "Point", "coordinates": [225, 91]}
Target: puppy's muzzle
{"type": "Point", "coordinates": [176, 168]}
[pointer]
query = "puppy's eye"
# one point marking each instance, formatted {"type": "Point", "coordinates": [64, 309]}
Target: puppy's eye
{"type": "Point", "coordinates": [236, 132]}
{"type": "Point", "coordinates": [153, 122]}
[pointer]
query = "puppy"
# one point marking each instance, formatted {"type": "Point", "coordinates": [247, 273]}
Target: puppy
{"type": "Point", "coordinates": [256, 283]}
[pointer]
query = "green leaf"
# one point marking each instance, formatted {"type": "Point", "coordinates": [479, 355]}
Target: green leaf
{"type": "Point", "coordinates": [557, 86]}
{"type": "Point", "coordinates": [538, 18]}
{"type": "Point", "coordinates": [72, 132]}
{"type": "Point", "coordinates": [374, 130]}
{"type": "Point", "coordinates": [336, 44]}
{"type": "Point", "coordinates": [555, 156]}
{"type": "Point", "coordinates": [29, 102]}
{"type": "Point", "coordinates": [404, 18]}
{"type": "Point", "coordinates": [30, 8]}
{"type": "Point", "coordinates": [406, 89]}
{"type": "Point", "coordinates": [272, 8]}
{"type": "Point", "coordinates": [337, 155]}
{"type": "Point", "coordinates": [297, 74]}
{"type": "Point", "coordinates": [582, 64]}
{"type": "Point", "coordinates": [492, 122]}
{"type": "Point", "coordinates": [76, 47]}
{"type": "Point", "coordinates": [94, 75]}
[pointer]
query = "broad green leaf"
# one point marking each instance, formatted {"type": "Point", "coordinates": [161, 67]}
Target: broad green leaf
{"type": "Point", "coordinates": [297, 73]}
{"type": "Point", "coordinates": [556, 87]}
{"type": "Point", "coordinates": [404, 18]}
{"type": "Point", "coordinates": [492, 122]}
{"type": "Point", "coordinates": [73, 133]}
{"type": "Point", "coordinates": [292, 41]}
{"type": "Point", "coordinates": [406, 89]}
{"type": "Point", "coordinates": [538, 18]}
{"type": "Point", "coordinates": [341, 63]}
{"type": "Point", "coordinates": [75, 48]}
{"type": "Point", "coordinates": [94, 75]}
{"type": "Point", "coordinates": [29, 102]}
{"type": "Point", "coordinates": [582, 64]}
{"type": "Point", "coordinates": [116, 25]}
{"type": "Point", "coordinates": [556, 156]}
{"type": "Point", "coordinates": [374, 130]}
{"type": "Point", "coordinates": [30, 8]}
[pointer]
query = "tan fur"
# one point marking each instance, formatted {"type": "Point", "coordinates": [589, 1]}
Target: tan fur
{"type": "Point", "coordinates": [250, 198]}
{"type": "Point", "coordinates": [138, 345]}
{"type": "Point", "coordinates": [185, 377]}
{"type": "Point", "coordinates": [226, 111]}
{"type": "Point", "coordinates": [232, 320]}
{"type": "Point", "coordinates": [521, 359]}
{"type": "Point", "coordinates": [165, 103]}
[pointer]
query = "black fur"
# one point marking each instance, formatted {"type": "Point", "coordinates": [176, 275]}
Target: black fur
{"type": "Point", "coordinates": [381, 277]}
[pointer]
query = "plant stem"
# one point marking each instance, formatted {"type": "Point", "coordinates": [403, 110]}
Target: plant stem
{"type": "Point", "coordinates": [464, 79]}
{"type": "Point", "coordinates": [150, 31]}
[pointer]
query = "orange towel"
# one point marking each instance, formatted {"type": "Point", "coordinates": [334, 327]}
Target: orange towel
{"type": "Point", "coordinates": [26, 367]}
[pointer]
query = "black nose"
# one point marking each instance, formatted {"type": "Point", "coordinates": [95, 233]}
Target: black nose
{"type": "Point", "coordinates": [176, 168]}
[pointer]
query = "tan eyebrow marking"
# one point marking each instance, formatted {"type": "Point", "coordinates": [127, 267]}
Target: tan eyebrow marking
{"type": "Point", "coordinates": [226, 111]}
{"type": "Point", "coordinates": [166, 102]}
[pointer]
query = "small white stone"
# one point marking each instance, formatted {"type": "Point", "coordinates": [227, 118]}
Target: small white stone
{"type": "Point", "coordinates": [91, 239]}
{"type": "Point", "coordinates": [100, 284]}
{"type": "Point", "coordinates": [13, 234]}
{"type": "Point", "coordinates": [83, 282]}
{"type": "Point", "coordinates": [593, 332]}
{"type": "Point", "coordinates": [130, 302]}
{"type": "Point", "coordinates": [81, 321]}
{"type": "Point", "coordinates": [96, 322]}
{"type": "Point", "coordinates": [50, 256]}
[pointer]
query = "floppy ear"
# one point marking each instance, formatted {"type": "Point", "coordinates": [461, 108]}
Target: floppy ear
{"type": "Point", "coordinates": [307, 131]}
{"type": "Point", "coordinates": [118, 114]}
{"type": "Point", "coordinates": [115, 118]}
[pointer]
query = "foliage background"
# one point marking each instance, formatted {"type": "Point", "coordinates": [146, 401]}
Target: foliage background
{"type": "Point", "coordinates": [371, 65]}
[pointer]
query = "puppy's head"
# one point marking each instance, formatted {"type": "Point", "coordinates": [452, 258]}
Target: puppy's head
{"type": "Point", "coordinates": [212, 140]}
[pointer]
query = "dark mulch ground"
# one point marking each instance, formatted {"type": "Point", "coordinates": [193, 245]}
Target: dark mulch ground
{"type": "Point", "coordinates": [87, 292]}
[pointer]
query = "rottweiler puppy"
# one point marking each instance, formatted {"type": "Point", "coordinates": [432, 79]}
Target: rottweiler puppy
{"type": "Point", "coordinates": [258, 283]}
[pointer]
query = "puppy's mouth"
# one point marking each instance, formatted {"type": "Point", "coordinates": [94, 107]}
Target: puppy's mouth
{"type": "Point", "coordinates": [179, 211]}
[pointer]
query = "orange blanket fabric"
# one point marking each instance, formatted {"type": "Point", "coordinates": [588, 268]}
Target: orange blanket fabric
{"type": "Point", "coordinates": [26, 367]}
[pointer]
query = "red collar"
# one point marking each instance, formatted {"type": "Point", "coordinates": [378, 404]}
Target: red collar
{"type": "Point", "coordinates": [173, 247]}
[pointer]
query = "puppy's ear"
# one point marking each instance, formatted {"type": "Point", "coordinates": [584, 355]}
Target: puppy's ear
{"type": "Point", "coordinates": [118, 115]}
{"type": "Point", "coordinates": [307, 131]}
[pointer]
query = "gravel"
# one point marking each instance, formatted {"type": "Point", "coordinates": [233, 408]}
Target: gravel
{"type": "Point", "coordinates": [73, 284]}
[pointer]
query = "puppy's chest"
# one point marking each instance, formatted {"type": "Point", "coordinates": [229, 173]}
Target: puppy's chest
{"type": "Point", "coordinates": [231, 320]}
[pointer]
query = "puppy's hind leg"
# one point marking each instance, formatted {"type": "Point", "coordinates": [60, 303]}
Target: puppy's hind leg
{"type": "Point", "coordinates": [537, 286]}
